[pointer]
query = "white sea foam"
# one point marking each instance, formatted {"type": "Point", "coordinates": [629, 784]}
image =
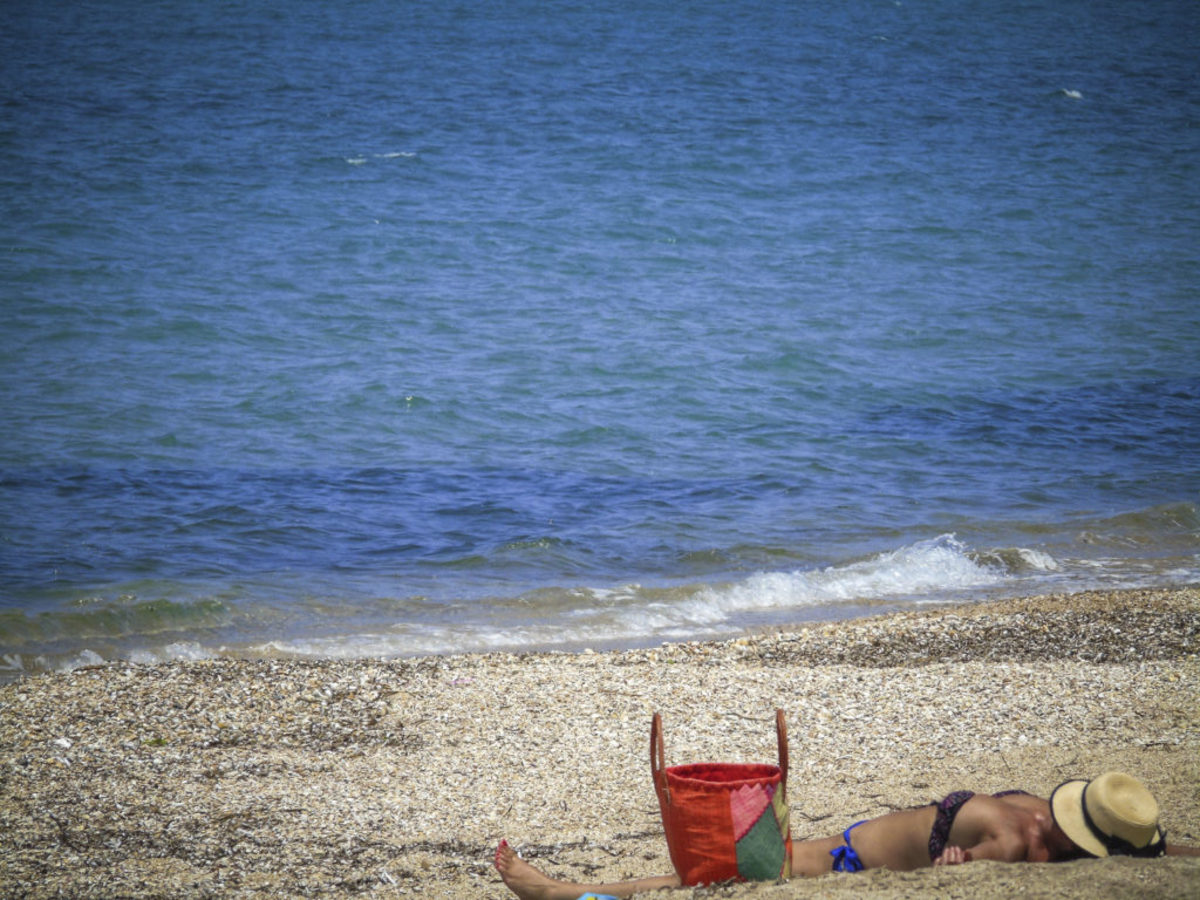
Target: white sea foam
{"type": "Point", "coordinates": [926, 567]}
{"type": "Point", "coordinates": [1036, 559]}
{"type": "Point", "coordinates": [183, 650]}
{"type": "Point", "coordinates": [84, 658]}
{"type": "Point", "coordinates": [631, 614]}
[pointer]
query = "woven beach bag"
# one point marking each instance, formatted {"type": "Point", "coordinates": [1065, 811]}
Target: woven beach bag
{"type": "Point", "coordinates": [724, 821]}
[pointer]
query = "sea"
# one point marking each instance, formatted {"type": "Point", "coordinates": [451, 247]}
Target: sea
{"type": "Point", "coordinates": [389, 328]}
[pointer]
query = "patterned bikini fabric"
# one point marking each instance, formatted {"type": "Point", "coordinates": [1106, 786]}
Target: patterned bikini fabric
{"type": "Point", "coordinates": [947, 810]}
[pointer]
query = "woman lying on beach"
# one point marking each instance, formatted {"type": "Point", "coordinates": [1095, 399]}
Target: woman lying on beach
{"type": "Point", "coordinates": [1112, 815]}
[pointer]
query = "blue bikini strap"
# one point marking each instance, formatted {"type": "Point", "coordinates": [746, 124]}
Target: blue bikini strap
{"type": "Point", "coordinates": [845, 858]}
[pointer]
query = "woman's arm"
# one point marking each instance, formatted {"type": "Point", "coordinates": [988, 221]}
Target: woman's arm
{"type": "Point", "coordinates": [1001, 848]}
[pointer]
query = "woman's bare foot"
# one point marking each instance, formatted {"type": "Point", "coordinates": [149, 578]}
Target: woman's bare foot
{"type": "Point", "coordinates": [527, 882]}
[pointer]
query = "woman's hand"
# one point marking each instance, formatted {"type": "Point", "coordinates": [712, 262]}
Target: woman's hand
{"type": "Point", "coordinates": [953, 856]}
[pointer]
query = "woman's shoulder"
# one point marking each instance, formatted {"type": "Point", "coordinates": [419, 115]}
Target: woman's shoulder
{"type": "Point", "coordinates": [985, 814]}
{"type": "Point", "coordinates": [1021, 800]}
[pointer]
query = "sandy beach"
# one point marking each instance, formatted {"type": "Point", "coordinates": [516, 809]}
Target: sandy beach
{"type": "Point", "coordinates": [397, 778]}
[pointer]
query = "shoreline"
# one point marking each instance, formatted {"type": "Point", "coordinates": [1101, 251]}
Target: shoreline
{"type": "Point", "coordinates": [227, 777]}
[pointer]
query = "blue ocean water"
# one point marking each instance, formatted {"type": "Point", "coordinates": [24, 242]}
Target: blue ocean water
{"type": "Point", "coordinates": [390, 328]}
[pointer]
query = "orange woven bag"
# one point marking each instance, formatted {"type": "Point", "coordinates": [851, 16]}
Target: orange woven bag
{"type": "Point", "coordinates": [724, 820]}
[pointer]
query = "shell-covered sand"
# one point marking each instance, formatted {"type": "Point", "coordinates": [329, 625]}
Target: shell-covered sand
{"type": "Point", "coordinates": [260, 778]}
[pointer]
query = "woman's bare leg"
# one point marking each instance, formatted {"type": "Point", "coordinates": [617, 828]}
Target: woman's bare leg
{"type": "Point", "coordinates": [529, 884]}
{"type": "Point", "coordinates": [811, 858]}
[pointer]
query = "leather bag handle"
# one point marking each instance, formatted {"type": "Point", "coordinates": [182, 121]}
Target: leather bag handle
{"type": "Point", "coordinates": [782, 740]}
{"type": "Point", "coordinates": [658, 754]}
{"type": "Point", "coordinates": [658, 759]}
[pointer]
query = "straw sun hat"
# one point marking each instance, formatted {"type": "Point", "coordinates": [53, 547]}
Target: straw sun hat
{"type": "Point", "coordinates": [1113, 815]}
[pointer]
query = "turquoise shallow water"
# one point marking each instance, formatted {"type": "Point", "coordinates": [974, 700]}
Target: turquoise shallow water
{"type": "Point", "coordinates": [395, 329]}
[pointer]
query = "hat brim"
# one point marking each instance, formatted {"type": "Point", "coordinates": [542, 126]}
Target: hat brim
{"type": "Point", "coordinates": [1066, 806]}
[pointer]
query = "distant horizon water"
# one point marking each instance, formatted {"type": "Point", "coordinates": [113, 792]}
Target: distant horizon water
{"type": "Point", "coordinates": [388, 330]}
